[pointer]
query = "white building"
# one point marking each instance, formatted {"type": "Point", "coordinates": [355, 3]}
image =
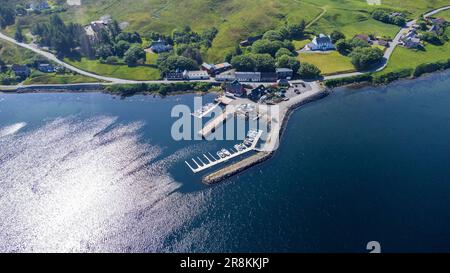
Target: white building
{"type": "Point", "coordinates": [195, 75]}
{"type": "Point", "coordinates": [321, 42]}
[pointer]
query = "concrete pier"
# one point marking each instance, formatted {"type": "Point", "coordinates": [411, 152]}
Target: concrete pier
{"type": "Point", "coordinates": [217, 122]}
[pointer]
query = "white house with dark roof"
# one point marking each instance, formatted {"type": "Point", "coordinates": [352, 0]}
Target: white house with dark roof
{"type": "Point", "coordinates": [322, 42]}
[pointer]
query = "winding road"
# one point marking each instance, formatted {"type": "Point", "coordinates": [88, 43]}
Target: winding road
{"type": "Point", "coordinates": [111, 80]}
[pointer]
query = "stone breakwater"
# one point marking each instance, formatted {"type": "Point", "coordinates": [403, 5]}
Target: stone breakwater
{"type": "Point", "coordinates": [236, 168]}
{"type": "Point", "coordinates": [244, 164]}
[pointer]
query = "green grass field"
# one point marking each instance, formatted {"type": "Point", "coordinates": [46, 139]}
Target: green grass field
{"type": "Point", "coordinates": [407, 58]}
{"type": "Point", "coordinates": [11, 54]}
{"type": "Point", "coordinates": [329, 63]}
{"type": "Point", "coordinates": [444, 14]}
{"type": "Point", "coordinates": [52, 78]}
{"type": "Point", "coordinates": [299, 44]}
{"type": "Point", "coordinates": [122, 71]}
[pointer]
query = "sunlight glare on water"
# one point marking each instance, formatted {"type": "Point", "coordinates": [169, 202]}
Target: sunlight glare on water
{"type": "Point", "coordinates": [87, 185]}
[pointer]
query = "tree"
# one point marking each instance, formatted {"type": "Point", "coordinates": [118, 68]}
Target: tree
{"type": "Point", "coordinates": [336, 36]}
{"type": "Point", "coordinates": [273, 35]}
{"type": "Point", "coordinates": [103, 51]}
{"type": "Point", "coordinates": [7, 15]}
{"type": "Point", "coordinates": [243, 63]}
{"type": "Point", "coordinates": [283, 51]}
{"type": "Point", "coordinates": [19, 36]}
{"type": "Point", "coordinates": [343, 47]}
{"type": "Point", "coordinates": [433, 38]}
{"type": "Point", "coordinates": [192, 53]}
{"type": "Point", "coordinates": [286, 61]}
{"type": "Point", "coordinates": [296, 30]}
{"type": "Point", "coordinates": [174, 62]}
{"type": "Point", "coordinates": [309, 71]}
{"type": "Point", "coordinates": [121, 47]}
{"type": "Point", "coordinates": [364, 58]}
{"type": "Point", "coordinates": [264, 62]}
{"type": "Point", "coordinates": [265, 46]}
{"type": "Point", "coordinates": [134, 54]}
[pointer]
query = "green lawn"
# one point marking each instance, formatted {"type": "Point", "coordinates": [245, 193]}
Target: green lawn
{"type": "Point", "coordinates": [122, 71]}
{"type": "Point", "coordinates": [12, 54]}
{"type": "Point", "coordinates": [53, 78]}
{"type": "Point", "coordinates": [407, 58]}
{"type": "Point", "coordinates": [299, 44]}
{"type": "Point", "coordinates": [444, 14]}
{"type": "Point", "coordinates": [329, 63]}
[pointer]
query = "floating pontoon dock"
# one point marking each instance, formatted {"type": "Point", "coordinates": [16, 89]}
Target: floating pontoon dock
{"type": "Point", "coordinates": [199, 164]}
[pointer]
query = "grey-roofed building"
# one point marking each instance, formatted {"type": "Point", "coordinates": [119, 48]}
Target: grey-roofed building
{"type": "Point", "coordinates": [285, 73]}
{"type": "Point", "coordinates": [321, 42]}
{"type": "Point", "coordinates": [248, 76]}
{"type": "Point", "coordinates": [160, 46]}
{"type": "Point", "coordinates": [225, 77]}
{"type": "Point", "coordinates": [195, 75]}
{"type": "Point", "coordinates": [174, 76]}
{"type": "Point", "coordinates": [269, 77]}
{"type": "Point", "coordinates": [235, 88]}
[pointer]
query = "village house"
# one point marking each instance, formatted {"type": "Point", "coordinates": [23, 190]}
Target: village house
{"type": "Point", "coordinates": [160, 46]}
{"type": "Point", "coordinates": [363, 37]}
{"type": "Point", "coordinates": [217, 68]}
{"type": "Point", "coordinates": [257, 93]}
{"type": "Point", "coordinates": [39, 5]}
{"type": "Point", "coordinates": [95, 26]}
{"type": "Point", "coordinates": [411, 40]}
{"type": "Point", "coordinates": [174, 76]}
{"type": "Point", "coordinates": [321, 42]}
{"type": "Point", "coordinates": [285, 73]}
{"type": "Point", "coordinates": [234, 88]}
{"type": "Point", "coordinates": [250, 40]}
{"type": "Point", "coordinates": [21, 70]}
{"type": "Point", "coordinates": [225, 77]}
{"type": "Point", "coordinates": [46, 68]}
{"type": "Point", "coordinates": [248, 76]}
{"type": "Point", "coordinates": [195, 75]}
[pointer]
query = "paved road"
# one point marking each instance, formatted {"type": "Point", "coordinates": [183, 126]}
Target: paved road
{"type": "Point", "coordinates": [111, 80]}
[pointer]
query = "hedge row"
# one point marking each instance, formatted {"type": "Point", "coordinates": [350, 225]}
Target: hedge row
{"type": "Point", "coordinates": [391, 76]}
{"type": "Point", "coordinates": [431, 67]}
{"type": "Point", "coordinates": [163, 89]}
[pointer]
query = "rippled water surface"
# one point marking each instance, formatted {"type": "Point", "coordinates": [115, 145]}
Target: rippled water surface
{"type": "Point", "coordinates": [92, 172]}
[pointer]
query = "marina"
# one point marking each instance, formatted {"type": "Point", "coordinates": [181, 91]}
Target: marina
{"type": "Point", "coordinates": [217, 122]}
{"type": "Point", "coordinates": [203, 162]}
{"type": "Point", "coordinates": [205, 110]}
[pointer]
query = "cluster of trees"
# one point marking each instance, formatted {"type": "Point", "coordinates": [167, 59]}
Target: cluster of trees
{"type": "Point", "coordinates": [434, 38]}
{"type": "Point", "coordinates": [56, 35]}
{"type": "Point", "coordinates": [275, 49]}
{"type": "Point", "coordinates": [7, 77]}
{"type": "Point", "coordinates": [188, 48]}
{"type": "Point", "coordinates": [110, 44]}
{"type": "Point", "coordinates": [7, 14]}
{"type": "Point", "coordinates": [363, 56]}
{"type": "Point", "coordinates": [163, 89]}
{"type": "Point", "coordinates": [386, 16]}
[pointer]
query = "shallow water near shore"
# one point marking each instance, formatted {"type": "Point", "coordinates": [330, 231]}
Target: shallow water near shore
{"type": "Point", "coordinates": [93, 172]}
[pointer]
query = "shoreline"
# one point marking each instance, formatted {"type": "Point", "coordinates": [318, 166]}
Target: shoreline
{"type": "Point", "coordinates": [235, 168]}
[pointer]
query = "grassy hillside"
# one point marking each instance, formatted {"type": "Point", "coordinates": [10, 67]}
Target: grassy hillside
{"type": "Point", "coordinates": [237, 19]}
{"type": "Point", "coordinates": [12, 54]}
